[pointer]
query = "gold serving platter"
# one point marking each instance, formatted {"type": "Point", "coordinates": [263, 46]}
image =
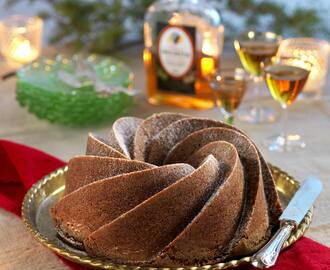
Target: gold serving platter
{"type": "Point", "coordinates": [43, 194]}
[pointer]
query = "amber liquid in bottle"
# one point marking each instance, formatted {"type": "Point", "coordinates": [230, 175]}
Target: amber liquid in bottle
{"type": "Point", "coordinates": [255, 54]}
{"type": "Point", "coordinates": [203, 97]}
{"type": "Point", "coordinates": [285, 82]}
{"type": "Point", "coordinates": [183, 43]}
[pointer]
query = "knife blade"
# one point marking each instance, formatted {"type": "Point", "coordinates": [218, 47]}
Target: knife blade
{"type": "Point", "coordinates": [297, 208]}
{"type": "Point", "coordinates": [302, 200]}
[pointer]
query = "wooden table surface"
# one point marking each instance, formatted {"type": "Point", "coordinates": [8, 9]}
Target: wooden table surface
{"type": "Point", "coordinates": [309, 117]}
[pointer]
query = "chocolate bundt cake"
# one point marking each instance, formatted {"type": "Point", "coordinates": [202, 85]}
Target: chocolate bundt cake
{"type": "Point", "coordinates": [168, 191]}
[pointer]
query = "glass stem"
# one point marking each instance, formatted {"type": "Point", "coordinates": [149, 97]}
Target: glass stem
{"type": "Point", "coordinates": [256, 90]}
{"type": "Point", "coordinates": [229, 119]}
{"type": "Point", "coordinates": [257, 81]}
{"type": "Point", "coordinates": [228, 116]}
{"type": "Point", "coordinates": [285, 122]}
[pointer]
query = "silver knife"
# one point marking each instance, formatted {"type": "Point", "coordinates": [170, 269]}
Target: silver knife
{"type": "Point", "coordinates": [291, 217]}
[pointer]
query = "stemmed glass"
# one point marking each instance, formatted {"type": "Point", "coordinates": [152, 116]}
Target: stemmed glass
{"type": "Point", "coordinates": [256, 50]}
{"type": "Point", "coordinates": [286, 79]}
{"type": "Point", "coordinates": [229, 87]}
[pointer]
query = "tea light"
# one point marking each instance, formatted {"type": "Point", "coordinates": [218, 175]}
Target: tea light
{"type": "Point", "coordinates": [211, 48]}
{"type": "Point", "coordinates": [208, 66]}
{"type": "Point", "coordinates": [314, 51]}
{"type": "Point", "coordinates": [20, 38]}
{"type": "Point", "coordinates": [209, 40]}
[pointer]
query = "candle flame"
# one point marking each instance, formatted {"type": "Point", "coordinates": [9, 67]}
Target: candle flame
{"type": "Point", "coordinates": [208, 65]}
{"type": "Point", "coordinates": [22, 51]}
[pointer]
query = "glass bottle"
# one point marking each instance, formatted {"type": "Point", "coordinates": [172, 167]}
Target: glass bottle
{"type": "Point", "coordinates": [183, 43]}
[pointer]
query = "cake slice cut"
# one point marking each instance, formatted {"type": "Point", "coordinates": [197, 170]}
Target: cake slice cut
{"type": "Point", "coordinates": [97, 146]}
{"type": "Point", "coordinates": [149, 128]}
{"type": "Point", "coordinates": [83, 170]}
{"type": "Point", "coordinates": [85, 210]}
{"type": "Point", "coordinates": [141, 233]}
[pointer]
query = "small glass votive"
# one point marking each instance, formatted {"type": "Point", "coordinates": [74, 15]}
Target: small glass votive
{"type": "Point", "coordinates": [314, 51]}
{"type": "Point", "coordinates": [20, 38]}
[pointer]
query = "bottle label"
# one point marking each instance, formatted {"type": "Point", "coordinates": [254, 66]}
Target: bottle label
{"type": "Point", "coordinates": [176, 68]}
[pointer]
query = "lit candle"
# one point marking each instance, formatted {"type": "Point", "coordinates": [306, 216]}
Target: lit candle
{"type": "Point", "coordinates": [20, 38]}
{"type": "Point", "coordinates": [210, 52]}
{"type": "Point", "coordinates": [208, 65]}
{"type": "Point", "coordinates": [22, 51]}
{"type": "Point", "coordinates": [210, 45]}
{"type": "Point", "coordinates": [314, 51]}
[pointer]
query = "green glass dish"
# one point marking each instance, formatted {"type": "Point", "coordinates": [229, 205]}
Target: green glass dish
{"type": "Point", "coordinates": [76, 90]}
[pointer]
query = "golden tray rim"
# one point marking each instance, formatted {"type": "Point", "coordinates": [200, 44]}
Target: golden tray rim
{"type": "Point", "coordinates": [102, 264]}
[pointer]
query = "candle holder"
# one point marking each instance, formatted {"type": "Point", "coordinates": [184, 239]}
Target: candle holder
{"type": "Point", "coordinates": [20, 38]}
{"type": "Point", "coordinates": [314, 51]}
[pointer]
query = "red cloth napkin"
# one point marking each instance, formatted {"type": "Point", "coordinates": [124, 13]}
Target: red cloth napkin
{"type": "Point", "coordinates": [21, 166]}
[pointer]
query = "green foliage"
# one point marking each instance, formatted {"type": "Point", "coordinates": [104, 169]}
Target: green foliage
{"type": "Point", "coordinates": [300, 22]}
{"type": "Point", "coordinates": [101, 25]}
{"type": "Point", "coordinates": [95, 24]}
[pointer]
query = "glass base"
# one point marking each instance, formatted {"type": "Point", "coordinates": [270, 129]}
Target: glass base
{"type": "Point", "coordinates": [257, 115]}
{"type": "Point", "coordinates": [287, 143]}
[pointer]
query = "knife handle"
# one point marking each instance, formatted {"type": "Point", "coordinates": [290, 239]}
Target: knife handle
{"type": "Point", "coordinates": [267, 256]}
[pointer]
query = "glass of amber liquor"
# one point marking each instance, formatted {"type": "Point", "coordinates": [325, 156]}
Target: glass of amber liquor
{"type": "Point", "coordinates": [256, 51]}
{"type": "Point", "coordinates": [286, 79]}
{"type": "Point", "coordinates": [229, 87]}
